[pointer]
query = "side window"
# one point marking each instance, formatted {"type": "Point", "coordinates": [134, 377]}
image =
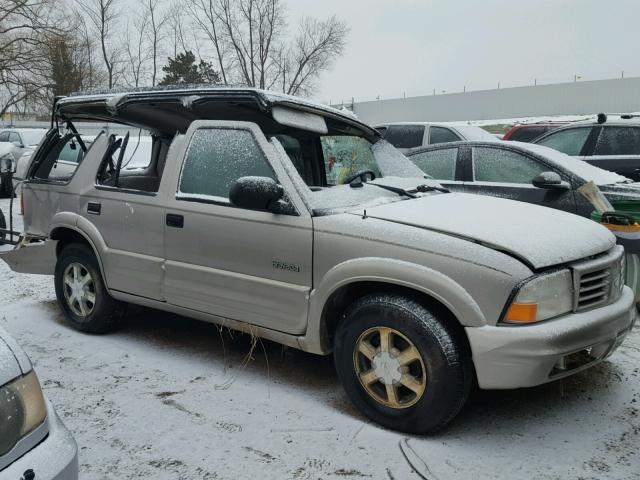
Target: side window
{"type": "Point", "coordinates": [568, 141]}
{"type": "Point", "coordinates": [141, 163]}
{"type": "Point", "coordinates": [404, 136]}
{"type": "Point", "coordinates": [4, 137]}
{"type": "Point", "coordinates": [618, 141]}
{"type": "Point", "coordinates": [216, 158]}
{"type": "Point", "coordinates": [526, 134]}
{"type": "Point", "coordinates": [504, 166]}
{"type": "Point", "coordinates": [439, 164]}
{"type": "Point", "coordinates": [442, 135]}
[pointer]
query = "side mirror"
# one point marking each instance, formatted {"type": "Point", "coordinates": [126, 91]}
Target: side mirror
{"type": "Point", "coordinates": [550, 181]}
{"type": "Point", "coordinates": [18, 144]}
{"type": "Point", "coordinates": [256, 193]}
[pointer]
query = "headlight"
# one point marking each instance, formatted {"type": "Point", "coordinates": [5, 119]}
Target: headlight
{"type": "Point", "coordinates": [22, 409]}
{"type": "Point", "coordinates": [541, 298]}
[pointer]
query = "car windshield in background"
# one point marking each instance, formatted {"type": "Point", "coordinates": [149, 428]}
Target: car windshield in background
{"type": "Point", "coordinates": [345, 156]}
{"type": "Point", "coordinates": [32, 137]}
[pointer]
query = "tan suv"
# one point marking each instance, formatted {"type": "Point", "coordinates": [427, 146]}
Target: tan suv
{"type": "Point", "coordinates": [299, 224]}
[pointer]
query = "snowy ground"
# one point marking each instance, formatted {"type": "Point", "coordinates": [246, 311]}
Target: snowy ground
{"type": "Point", "coordinates": [170, 398]}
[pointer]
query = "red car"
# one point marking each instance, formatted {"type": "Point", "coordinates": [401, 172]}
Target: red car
{"type": "Point", "coordinates": [526, 132]}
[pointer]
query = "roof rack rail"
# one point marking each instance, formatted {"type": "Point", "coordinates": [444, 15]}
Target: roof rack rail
{"type": "Point", "coordinates": [602, 117]}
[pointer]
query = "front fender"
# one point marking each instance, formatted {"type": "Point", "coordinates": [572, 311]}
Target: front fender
{"type": "Point", "coordinates": [405, 274]}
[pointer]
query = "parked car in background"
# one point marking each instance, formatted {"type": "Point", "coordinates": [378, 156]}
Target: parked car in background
{"type": "Point", "coordinates": [34, 443]}
{"type": "Point", "coordinates": [405, 136]}
{"type": "Point", "coordinates": [520, 171]}
{"type": "Point", "coordinates": [21, 141]}
{"type": "Point", "coordinates": [7, 167]}
{"type": "Point", "coordinates": [527, 132]}
{"type": "Point", "coordinates": [298, 223]}
{"type": "Point", "coordinates": [611, 142]}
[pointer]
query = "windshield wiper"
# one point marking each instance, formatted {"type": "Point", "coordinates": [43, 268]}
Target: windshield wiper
{"type": "Point", "coordinates": [410, 193]}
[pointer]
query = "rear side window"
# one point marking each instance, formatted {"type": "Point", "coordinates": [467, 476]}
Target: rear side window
{"type": "Point", "coordinates": [439, 164]}
{"type": "Point", "coordinates": [442, 135]}
{"type": "Point", "coordinates": [216, 158]}
{"type": "Point", "coordinates": [568, 141]}
{"type": "Point", "coordinates": [618, 141]}
{"type": "Point", "coordinates": [4, 137]}
{"type": "Point", "coordinates": [526, 134]}
{"type": "Point", "coordinates": [404, 136]}
{"type": "Point", "coordinates": [504, 166]}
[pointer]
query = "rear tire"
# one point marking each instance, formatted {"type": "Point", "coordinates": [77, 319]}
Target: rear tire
{"type": "Point", "coordinates": [402, 364]}
{"type": "Point", "coordinates": [81, 292]}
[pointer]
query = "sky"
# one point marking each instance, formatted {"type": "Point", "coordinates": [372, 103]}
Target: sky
{"type": "Point", "coordinates": [411, 47]}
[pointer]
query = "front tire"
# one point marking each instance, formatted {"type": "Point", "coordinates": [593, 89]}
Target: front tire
{"type": "Point", "coordinates": [81, 293]}
{"type": "Point", "coordinates": [402, 364]}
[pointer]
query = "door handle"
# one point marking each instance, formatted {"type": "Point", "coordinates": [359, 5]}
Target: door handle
{"type": "Point", "coordinates": [175, 221]}
{"type": "Point", "coordinates": [94, 208]}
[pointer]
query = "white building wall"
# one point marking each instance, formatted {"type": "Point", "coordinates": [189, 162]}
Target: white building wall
{"type": "Point", "coordinates": [582, 97]}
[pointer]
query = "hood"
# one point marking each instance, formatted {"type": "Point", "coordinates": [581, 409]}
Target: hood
{"type": "Point", "coordinates": [540, 237]}
{"type": "Point", "coordinates": [13, 361]}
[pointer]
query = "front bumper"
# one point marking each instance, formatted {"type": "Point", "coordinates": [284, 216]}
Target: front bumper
{"type": "Point", "coordinates": [528, 355]}
{"type": "Point", "coordinates": [55, 458]}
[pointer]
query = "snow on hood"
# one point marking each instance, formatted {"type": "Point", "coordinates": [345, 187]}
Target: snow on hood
{"type": "Point", "coordinates": [540, 236]}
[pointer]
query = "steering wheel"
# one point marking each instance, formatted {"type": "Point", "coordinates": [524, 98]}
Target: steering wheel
{"type": "Point", "coordinates": [360, 174]}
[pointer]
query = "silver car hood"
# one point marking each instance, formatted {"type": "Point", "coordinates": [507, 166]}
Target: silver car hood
{"type": "Point", "coordinates": [539, 236]}
{"type": "Point", "coordinates": [13, 361]}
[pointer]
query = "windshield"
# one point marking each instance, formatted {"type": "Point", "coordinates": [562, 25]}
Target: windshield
{"type": "Point", "coordinates": [343, 156]}
{"type": "Point", "coordinates": [32, 137]}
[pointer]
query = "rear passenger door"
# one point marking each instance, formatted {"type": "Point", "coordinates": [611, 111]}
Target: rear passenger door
{"type": "Point", "coordinates": [246, 265]}
{"type": "Point", "coordinates": [442, 164]}
{"type": "Point", "coordinates": [572, 141]}
{"type": "Point", "coordinates": [508, 174]}
{"type": "Point", "coordinates": [617, 149]}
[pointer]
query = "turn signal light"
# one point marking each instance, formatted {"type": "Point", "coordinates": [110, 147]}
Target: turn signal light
{"type": "Point", "coordinates": [522, 313]}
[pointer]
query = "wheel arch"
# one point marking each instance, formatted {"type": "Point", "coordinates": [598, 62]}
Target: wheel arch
{"type": "Point", "coordinates": [355, 278]}
{"type": "Point", "coordinates": [65, 234]}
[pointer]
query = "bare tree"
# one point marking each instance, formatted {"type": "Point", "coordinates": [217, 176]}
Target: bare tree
{"type": "Point", "coordinates": [102, 16]}
{"type": "Point", "coordinates": [25, 26]}
{"type": "Point", "coordinates": [251, 45]}
{"type": "Point", "coordinates": [157, 22]}
{"type": "Point", "coordinates": [314, 50]}
{"type": "Point", "coordinates": [136, 51]}
{"type": "Point", "coordinates": [207, 16]}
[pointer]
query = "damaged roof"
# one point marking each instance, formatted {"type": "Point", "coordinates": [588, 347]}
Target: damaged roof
{"type": "Point", "coordinates": [171, 110]}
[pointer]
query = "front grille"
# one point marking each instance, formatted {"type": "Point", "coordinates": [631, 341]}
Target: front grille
{"type": "Point", "coordinates": [594, 289]}
{"type": "Point", "coordinates": [598, 281]}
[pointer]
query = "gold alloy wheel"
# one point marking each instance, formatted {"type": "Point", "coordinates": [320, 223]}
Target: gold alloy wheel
{"type": "Point", "coordinates": [389, 367]}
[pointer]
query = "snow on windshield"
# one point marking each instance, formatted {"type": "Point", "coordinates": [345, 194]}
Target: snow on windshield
{"type": "Point", "coordinates": [345, 156]}
{"type": "Point", "coordinates": [577, 167]}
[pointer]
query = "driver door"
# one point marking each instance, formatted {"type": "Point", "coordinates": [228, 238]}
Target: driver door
{"type": "Point", "coordinates": [246, 265]}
